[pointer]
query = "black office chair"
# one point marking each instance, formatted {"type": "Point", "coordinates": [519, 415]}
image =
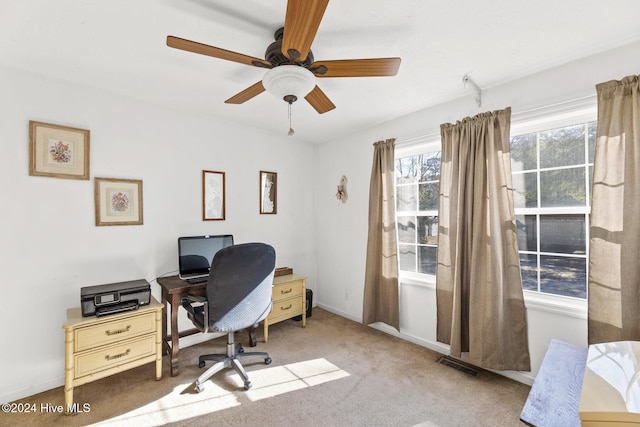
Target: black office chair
{"type": "Point", "coordinates": [238, 296]}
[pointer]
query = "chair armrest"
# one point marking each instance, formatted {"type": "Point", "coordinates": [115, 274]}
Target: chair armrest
{"type": "Point", "coordinates": [197, 309]}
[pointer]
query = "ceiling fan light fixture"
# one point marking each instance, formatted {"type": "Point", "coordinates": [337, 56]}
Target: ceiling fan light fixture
{"type": "Point", "coordinates": [287, 81]}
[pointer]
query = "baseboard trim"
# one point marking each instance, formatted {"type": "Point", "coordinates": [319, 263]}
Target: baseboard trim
{"type": "Point", "coordinates": [338, 312]}
{"type": "Point", "coordinates": [33, 389]}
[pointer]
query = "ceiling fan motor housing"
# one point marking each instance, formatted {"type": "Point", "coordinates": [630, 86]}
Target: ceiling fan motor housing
{"type": "Point", "coordinates": [274, 54]}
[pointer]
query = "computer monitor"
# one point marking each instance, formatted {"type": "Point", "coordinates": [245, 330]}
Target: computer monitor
{"type": "Point", "coordinates": [195, 254]}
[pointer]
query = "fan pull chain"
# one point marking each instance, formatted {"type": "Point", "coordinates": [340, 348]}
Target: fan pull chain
{"type": "Point", "coordinates": [291, 132]}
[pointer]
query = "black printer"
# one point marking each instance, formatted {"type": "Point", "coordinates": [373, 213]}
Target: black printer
{"type": "Point", "coordinates": [112, 298]}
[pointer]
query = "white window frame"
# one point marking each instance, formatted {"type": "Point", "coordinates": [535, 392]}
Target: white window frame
{"type": "Point", "coordinates": [571, 113]}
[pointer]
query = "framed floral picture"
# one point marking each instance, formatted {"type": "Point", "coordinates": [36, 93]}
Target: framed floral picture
{"type": "Point", "coordinates": [58, 151]}
{"type": "Point", "coordinates": [268, 192]}
{"type": "Point", "coordinates": [118, 201]}
{"type": "Point", "coordinates": [213, 199]}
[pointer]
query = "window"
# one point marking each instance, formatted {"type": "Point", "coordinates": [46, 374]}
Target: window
{"type": "Point", "coordinates": [417, 192]}
{"type": "Point", "coordinates": [552, 172]}
{"type": "Point", "coordinates": [552, 165]}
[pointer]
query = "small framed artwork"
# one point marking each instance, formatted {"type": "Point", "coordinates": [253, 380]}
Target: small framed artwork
{"type": "Point", "coordinates": [213, 199]}
{"type": "Point", "coordinates": [268, 192]}
{"type": "Point", "coordinates": [118, 201]}
{"type": "Point", "coordinates": [58, 151]}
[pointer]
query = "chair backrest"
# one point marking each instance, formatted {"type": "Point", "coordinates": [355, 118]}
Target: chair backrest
{"type": "Point", "coordinates": [240, 286]}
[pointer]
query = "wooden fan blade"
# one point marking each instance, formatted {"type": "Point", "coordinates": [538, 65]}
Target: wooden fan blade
{"type": "Point", "coordinates": [216, 52]}
{"type": "Point", "coordinates": [300, 26]}
{"type": "Point", "coordinates": [246, 94]}
{"type": "Point", "coordinates": [319, 100]}
{"type": "Point", "coordinates": [376, 67]}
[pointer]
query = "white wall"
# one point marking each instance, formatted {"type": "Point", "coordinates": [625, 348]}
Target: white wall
{"type": "Point", "coordinates": [51, 246]}
{"type": "Point", "coordinates": [342, 229]}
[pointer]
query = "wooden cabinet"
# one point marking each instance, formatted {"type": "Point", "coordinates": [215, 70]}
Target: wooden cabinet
{"type": "Point", "coordinates": [289, 300]}
{"type": "Point", "coordinates": [96, 347]}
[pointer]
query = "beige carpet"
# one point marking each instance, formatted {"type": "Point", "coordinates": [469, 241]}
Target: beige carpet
{"type": "Point", "coordinates": [334, 372]}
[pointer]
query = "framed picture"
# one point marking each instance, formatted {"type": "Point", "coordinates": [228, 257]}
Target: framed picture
{"type": "Point", "coordinates": [118, 201]}
{"type": "Point", "coordinates": [268, 192]}
{"type": "Point", "coordinates": [58, 151]}
{"type": "Point", "coordinates": [213, 199]}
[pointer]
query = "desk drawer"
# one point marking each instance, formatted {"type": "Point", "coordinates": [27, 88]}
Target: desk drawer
{"type": "Point", "coordinates": [98, 360]}
{"type": "Point", "coordinates": [287, 290]}
{"type": "Point", "coordinates": [114, 331]}
{"type": "Point", "coordinates": [285, 309]}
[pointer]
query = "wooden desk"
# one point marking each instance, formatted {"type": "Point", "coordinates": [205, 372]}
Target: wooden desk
{"type": "Point", "coordinates": [173, 290]}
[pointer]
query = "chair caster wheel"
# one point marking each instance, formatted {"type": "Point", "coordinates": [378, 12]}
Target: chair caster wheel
{"type": "Point", "coordinates": [199, 388]}
{"type": "Point", "coordinates": [247, 385]}
{"type": "Point", "coordinates": [201, 364]}
{"type": "Point", "coordinates": [267, 360]}
{"type": "Point", "coordinates": [241, 349]}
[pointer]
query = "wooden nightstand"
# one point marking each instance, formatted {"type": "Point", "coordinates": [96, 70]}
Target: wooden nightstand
{"type": "Point", "coordinates": [289, 300]}
{"type": "Point", "coordinates": [96, 347]}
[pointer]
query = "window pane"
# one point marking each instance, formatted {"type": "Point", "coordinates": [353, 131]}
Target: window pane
{"type": "Point", "coordinates": [417, 189]}
{"type": "Point", "coordinates": [525, 190]}
{"type": "Point", "coordinates": [406, 170]}
{"type": "Point", "coordinates": [428, 195]}
{"type": "Point", "coordinates": [549, 170]}
{"type": "Point", "coordinates": [527, 233]}
{"type": "Point", "coordinates": [563, 234]}
{"type": "Point", "coordinates": [430, 166]}
{"type": "Point", "coordinates": [406, 229]}
{"type": "Point", "coordinates": [427, 258]}
{"type": "Point", "coordinates": [407, 257]}
{"type": "Point", "coordinates": [564, 187]}
{"type": "Point", "coordinates": [406, 198]}
{"type": "Point", "coordinates": [563, 276]}
{"type": "Point", "coordinates": [428, 230]}
{"type": "Point", "coordinates": [562, 147]}
{"type": "Point", "coordinates": [523, 152]}
{"type": "Point", "coordinates": [529, 268]}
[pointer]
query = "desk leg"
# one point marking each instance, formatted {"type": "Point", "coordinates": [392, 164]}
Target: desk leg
{"type": "Point", "coordinates": [165, 344]}
{"type": "Point", "coordinates": [175, 337]}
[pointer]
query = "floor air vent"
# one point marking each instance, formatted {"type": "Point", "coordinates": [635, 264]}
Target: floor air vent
{"type": "Point", "coordinates": [453, 363]}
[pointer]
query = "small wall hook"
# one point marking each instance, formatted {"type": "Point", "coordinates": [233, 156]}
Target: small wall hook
{"type": "Point", "coordinates": [342, 190]}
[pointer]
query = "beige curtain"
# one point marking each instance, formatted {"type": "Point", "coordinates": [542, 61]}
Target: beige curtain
{"type": "Point", "coordinates": [480, 302]}
{"type": "Point", "coordinates": [614, 257]}
{"type": "Point", "coordinates": [381, 302]}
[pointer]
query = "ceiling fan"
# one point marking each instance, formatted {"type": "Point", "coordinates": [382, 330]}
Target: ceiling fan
{"type": "Point", "coordinates": [289, 60]}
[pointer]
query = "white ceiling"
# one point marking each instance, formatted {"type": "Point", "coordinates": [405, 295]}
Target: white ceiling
{"type": "Point", "coordinates": [120, 46]}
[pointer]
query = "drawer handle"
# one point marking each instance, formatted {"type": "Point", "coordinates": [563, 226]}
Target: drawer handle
{"type": "Point", "coordinates": [118, 356]}
{"type": "Point", "coordinates": [117, 331]}
{"type": "Point", "coordinates": [287, 292]}
{"type": "Point", "coordinates": [286, 308]}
